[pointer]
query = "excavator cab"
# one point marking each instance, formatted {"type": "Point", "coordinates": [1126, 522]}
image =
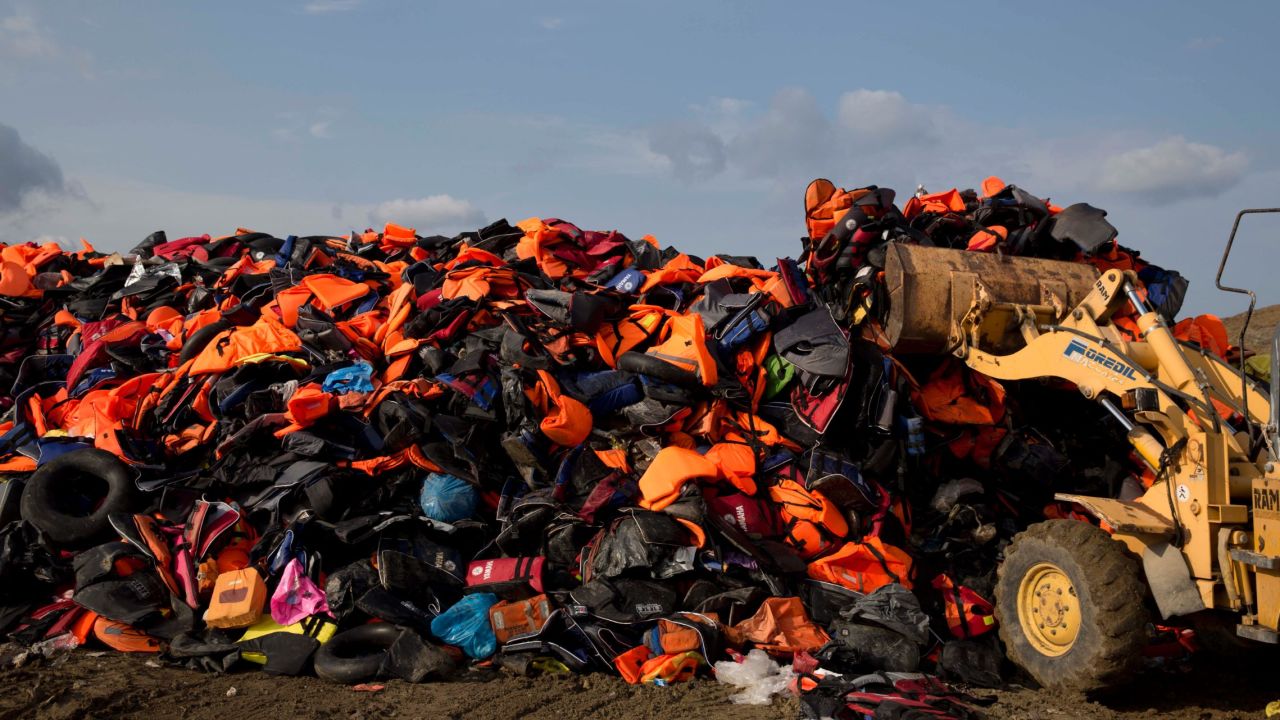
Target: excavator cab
{"type": "Point", "coordinates": [1203, 540]}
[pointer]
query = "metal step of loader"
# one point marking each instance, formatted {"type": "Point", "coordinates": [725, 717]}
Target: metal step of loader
{"type": "Point", "coordinates": [1258, 560]}
{"type": "Point", "coordinates": [1258, 633]}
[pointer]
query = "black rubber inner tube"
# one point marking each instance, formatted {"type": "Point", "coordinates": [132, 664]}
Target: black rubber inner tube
{"type": "Point", "coordinates": [358, 654]}
{"type": "Point", "coordinates": [79, 495]}
{"type": "Point", "coordinates": [70, 497]}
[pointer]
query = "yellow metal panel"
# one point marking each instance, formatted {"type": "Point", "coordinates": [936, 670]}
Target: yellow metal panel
{"type": "Point", "coordinates": [1123, 516]}
{"type": "Point", "coordinates": [1266, 541]}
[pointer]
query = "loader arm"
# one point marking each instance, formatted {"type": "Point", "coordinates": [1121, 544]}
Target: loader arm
{"type": "Point", "coordinates": [1023, 319]}
{"type": "Point", "coordinates": [1086, 350]}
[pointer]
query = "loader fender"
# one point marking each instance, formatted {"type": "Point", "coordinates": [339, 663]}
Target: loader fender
{"type": "Point", "coordinates": [1147, 534]}
{"type": "Point", "coordinates": [1170, 580]}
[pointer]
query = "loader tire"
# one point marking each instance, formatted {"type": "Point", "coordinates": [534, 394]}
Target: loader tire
{"type": "Point", "coordinates": [1072, 607]}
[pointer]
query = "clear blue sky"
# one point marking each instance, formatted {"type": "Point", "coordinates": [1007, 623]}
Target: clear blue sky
{"type": "Point", "coordinates": [698, 122]}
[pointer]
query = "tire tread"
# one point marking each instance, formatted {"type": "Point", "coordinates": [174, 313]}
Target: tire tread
{"type": "Point", "coordinates": [1110, 580]}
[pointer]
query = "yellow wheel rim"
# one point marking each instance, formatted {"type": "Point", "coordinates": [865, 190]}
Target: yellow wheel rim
{"type": "Point", "coordinates": [1048, 609]}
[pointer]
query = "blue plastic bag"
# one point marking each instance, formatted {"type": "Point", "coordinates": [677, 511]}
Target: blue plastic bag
{"type": "Point", "coordinates": [447, 498]}
{"type": "Point", "coordinates": [353, 378]}
{"type": "Point", "coordinates": [466, 625]}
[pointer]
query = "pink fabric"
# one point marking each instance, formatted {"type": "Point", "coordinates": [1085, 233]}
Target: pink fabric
{"type": "Point", "coordinates": [748, 514]}
{"type": "Point", "coordinates": [184, 569]}
{"type": "Point", "coordinates": [296, 597]}
{"type": "Point", "coordinates": [92, 350]}
{"type": "Point", "coordinates": [183, 248]}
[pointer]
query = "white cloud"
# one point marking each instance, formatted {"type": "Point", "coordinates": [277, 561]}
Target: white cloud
{"type": "Point", "coordinates": [61, 240]}
{"type": "Point", "coordinates": [593, 148]}
{"type": "Point", "coordinates": [693, 150]}
{"type": "Point", "coordinates": [793, 138]}
{"type": "Point", "coordinates": [726, 116]}
{"type": "Point", "coordinates": [551, 23]}
{"type": "Point", "coordinates": [615, 152]}
{"type": "Point", "coordinates": [881, 137]}
{"type": "Point", "coordinates": [1171, 170]}
{"type": "Point", "coordinates": [885, 116]}
{"type": "Point", "coordinates": [725, 106]}
{"type": "Point", "coordinates": [125, 211]}
{"type": "Point", "coordinates": [25, 42]}
{"type": "Point", "coordinates": [325, 7]}
{"type": "Point", "coordinates": [429, 214]}
{"type": "Point", "coordinates": [296, 127]}
{"type": "Point", "coordinates": [791, 135]}
{"type": "Point", "coordinates": [22, 37]}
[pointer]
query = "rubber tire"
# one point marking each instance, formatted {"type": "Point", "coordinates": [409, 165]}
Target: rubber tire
{"type": "Point", "coordinates": [356, 655]}
{"type": "Point", "coordinates": [1112, 594]}
{"type": "Point", "coordinates": [40, 497]}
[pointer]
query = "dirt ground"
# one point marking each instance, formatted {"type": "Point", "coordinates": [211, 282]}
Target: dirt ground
{"type": "Point", "coordinates": [80, 685]}
{"type": "Point", "coordinates": [1203, 690]}
{"type": "Point", "coordinates": [87, 685]}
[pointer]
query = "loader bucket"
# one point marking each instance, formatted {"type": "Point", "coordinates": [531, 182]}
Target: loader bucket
{"type": "Point", "coordinates": [931, 290]}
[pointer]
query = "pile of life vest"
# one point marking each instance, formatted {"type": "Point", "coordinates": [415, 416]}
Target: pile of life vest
{"type": "Point", "coordinates": [532, 446]}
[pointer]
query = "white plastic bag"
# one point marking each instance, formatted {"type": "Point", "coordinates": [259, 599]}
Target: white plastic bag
{"type": "Point", "coordinates": [759, 677]}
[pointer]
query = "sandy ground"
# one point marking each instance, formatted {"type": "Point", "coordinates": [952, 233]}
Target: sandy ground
{"type": "Point", "coordinates": [82, 685]}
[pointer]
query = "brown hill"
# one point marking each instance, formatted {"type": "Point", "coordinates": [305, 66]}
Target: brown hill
{"type": "Point", "coordinates": [1261, 327]}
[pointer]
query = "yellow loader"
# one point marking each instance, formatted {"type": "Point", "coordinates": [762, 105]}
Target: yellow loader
{"type": "Point", "coordinates": [1073, 599]}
